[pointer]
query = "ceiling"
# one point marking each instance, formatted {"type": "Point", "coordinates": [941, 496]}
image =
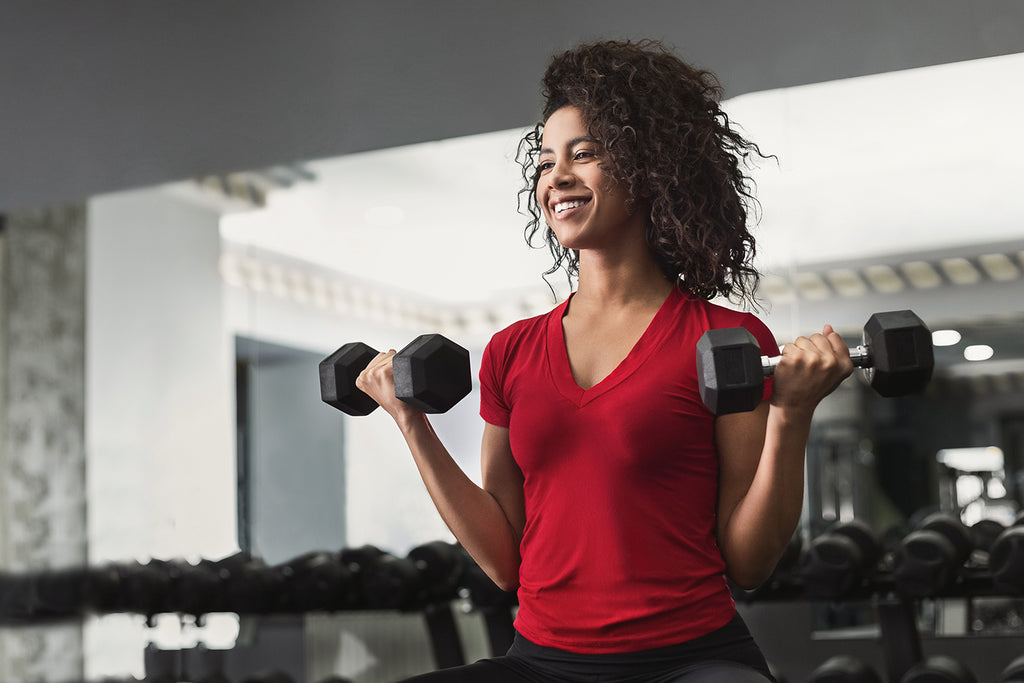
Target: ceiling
{"type": "Point", "coordinates": [105, 96]}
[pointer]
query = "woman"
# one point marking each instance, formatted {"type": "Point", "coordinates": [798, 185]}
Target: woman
{"type": "Point", "coordinates": [612, 499]}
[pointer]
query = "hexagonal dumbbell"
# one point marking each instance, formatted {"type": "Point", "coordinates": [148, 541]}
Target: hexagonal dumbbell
{"type": "Point", "coordinates": [1006, 560]}
{"type": "Point", "coordinates": [1014, 671]}
{"type": "Point", "coordinates": [897, 358]}
{"type": "Point", "coordinates": [939, 669]}
{"type": "Point", "coordinates": [838, 562]}
{"type": "Point", "coordinates": [844, 669]}
{"type": "Point", "coordinates": [928, 560]}
{"type": "Point", "coordinates": [431, 374]}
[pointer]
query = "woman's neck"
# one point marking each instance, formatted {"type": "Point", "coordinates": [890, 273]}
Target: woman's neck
{"type": "Point", "coordinates": [620, 280]}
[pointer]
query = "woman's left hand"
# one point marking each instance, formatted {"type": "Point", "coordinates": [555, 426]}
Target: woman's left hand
{"type": "Point", "coordinates": [810, 369]}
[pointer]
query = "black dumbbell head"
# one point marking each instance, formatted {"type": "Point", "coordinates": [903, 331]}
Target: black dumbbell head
{"type": "Point", "coordinates": [392, 583]}
{"type": "Point", "coordinates": [1006, 561]}
{"type": "Point", "coordinates": [836, 562]}
{"type": "Point", "coordinates": [316, 582]}
{"type": "Point", "coordinates": [902, 356]}
{"type": "Point", "coordinates": [950, 526]}
{"type": "Point", "coordinates": [432, 373]}
{"type": "Point", "coordinates": [984, 533]}
{"type": "Point", "coordinates": [844, 669]}
{"type": "Point", "coordinates": [928, 560]}
{"type": "Point", "coordinates": [729, 371]}
{"type": "Point", "coordinates": [939, 669]}
{"type": "Point", "coordinates": [338, 373]}
{"type": "Point", "coordinates": [441, 564]}
{"type": "Point", "coordinates": [1014, 671]}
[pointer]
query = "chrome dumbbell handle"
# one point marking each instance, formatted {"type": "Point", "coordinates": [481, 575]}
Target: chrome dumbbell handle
{"type": "Point", "coordinates": [860, 355]}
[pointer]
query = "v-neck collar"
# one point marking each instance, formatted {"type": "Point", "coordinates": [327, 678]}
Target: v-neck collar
{"type": "Point", "coordinates": [558, 354]}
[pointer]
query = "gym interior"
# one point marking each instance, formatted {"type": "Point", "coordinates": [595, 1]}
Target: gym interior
{"type": "Point", "coordinates": [201, 201]}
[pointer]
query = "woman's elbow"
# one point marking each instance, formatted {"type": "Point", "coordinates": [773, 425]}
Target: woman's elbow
{"type": "Point", "coordinates": [748, 575]}
{"type": "Point", "coordinates": [509, 584]}
{"type": "Point", "coordinates": [746, 579]}
{"type": "Point", "coordinates": [506, 578]}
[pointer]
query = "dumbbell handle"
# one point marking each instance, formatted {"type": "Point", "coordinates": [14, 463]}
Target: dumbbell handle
{"type": "Point", "coordinates": [860, 355]}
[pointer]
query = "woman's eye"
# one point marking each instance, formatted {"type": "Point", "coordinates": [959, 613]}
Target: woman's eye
{"type": "Point", "coordinates": [583, 154]}
{"type": "Point", "coordinates": [545, 166]}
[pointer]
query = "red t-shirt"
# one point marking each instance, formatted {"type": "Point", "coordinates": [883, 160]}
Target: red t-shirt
{"type": "Point", "coordinates": [619, 551]}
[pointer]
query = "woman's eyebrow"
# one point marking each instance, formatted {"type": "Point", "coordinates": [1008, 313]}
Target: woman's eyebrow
{"type": "Point", "coordinates": [572, 143]}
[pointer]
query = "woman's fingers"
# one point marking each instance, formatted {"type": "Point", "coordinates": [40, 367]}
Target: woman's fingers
{"type": "Point", "coordinates": [812, 367]}
{"type": "Point", "coordinates": [377, 374]}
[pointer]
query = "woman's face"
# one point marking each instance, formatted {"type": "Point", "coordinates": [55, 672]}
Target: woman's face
{"type": "Point", "coordinates": [584, 206]}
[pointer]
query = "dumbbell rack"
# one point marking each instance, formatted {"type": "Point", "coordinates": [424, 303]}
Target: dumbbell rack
{"type": "Point", "coordinates": [364, 580]}
{"type": "Point", "coordinates": [899, 640]}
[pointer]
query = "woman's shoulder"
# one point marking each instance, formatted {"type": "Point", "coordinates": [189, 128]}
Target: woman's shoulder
{"type": "Point", "coordinates": [525, 329]}
{"type": "Point", "coordinates": [720, 315]}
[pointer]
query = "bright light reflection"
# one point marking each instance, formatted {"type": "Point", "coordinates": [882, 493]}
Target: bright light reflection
{"type": "Point", "coordinates": [945, 337]}
{"type": "Point", "coordinates": [978, 352]}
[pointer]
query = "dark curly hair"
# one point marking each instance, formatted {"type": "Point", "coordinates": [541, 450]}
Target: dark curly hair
{"type": "Point", "coordinates": [668, 142]}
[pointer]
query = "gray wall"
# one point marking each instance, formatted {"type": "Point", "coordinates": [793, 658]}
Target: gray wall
{"type": "Point", "coordinates": [105, 95]}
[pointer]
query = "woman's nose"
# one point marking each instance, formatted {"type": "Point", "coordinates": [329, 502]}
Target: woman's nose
{"type": "Point", "coordinates": [561, 176]}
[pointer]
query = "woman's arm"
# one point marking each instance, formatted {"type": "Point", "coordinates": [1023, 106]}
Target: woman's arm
{"type": "Point", "coordinates": [761, 456]}
{"type": "Point", "coordinates": [488, 521]}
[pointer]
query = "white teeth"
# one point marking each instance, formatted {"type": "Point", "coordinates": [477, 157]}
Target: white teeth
{"type": "Point", "coordinates": [563, 206]}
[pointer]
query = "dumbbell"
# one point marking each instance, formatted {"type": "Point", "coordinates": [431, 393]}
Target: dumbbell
{"type": "Point", "coordinates": [897, 358]}
{"type": "Point", "coordinates": [1006, 559]}
{"type": "Point", "coordinates": [939, 669]}
{"type": "Point", "coordinates": [431, 374]}
{"type": "Point", "coordinates": [928, 560]}
{"type": "Point", "coordinates": [316, 581]}
{"type": "Point", "coordinates": [130, 587]}
{"type": "Point", "coordinates": [251, 586]}
{"type": "Point", "coordinates": [1014, 671]}
{"type": "Point", "coordinates": [984, 533]}
{"type": "Point", "coordinates": [838, 561]}
{"type": "Point", "coordinates": [844, 669]}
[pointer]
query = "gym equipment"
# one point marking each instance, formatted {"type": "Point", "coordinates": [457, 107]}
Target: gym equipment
{"type": "Point", "coordinates": [838, 561]}
{"type": "Point", "coordinates": [939, 669]}
{"type": "Point", "coordinates": [389, 582]}
{"type": "Point", "coordinates": [897, 358]}
{"type": "Point", "coordinates": [361, 562]}
{"type": "Point", "coordinates": [431, 374]}
{"type": "Point", "coordinates": [429, 573]}
{"type": "Point", "coordinates": [251, 586]}
{"type": "Point", "coordinates": [1014, 671]}
{"type": "Point", "coordinates": [984, 533]}
{"type": "Point", "coordinates": [316, 582]}
{"type": "Point", "coordinates": [129, 587]}
{"type": "Point", "coordinates": [195, 589]}
{"type": "Point", "coordinates": [493, 603]}
{"type": "Point", "coordinates": [928, 560]}
{"type": "Point", "coordinates": [1006, 559]}
{"type": "Point", "coordinates": [844, 669]}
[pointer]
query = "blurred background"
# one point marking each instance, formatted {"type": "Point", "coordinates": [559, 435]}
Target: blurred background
{"type": "Point", "coordinates": [202, 200]}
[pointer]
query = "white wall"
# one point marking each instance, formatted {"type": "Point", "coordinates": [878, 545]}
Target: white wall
{"type": "Point", "coordinates": [159, 410]}
{"type": "Point", "coordinates": [159, 376]}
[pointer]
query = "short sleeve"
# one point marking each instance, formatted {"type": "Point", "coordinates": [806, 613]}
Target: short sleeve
{"type": "Point", "coordinates": [494, 409]}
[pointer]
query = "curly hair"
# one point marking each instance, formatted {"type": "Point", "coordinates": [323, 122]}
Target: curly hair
{"type": "Point", "coordinates": [667, 141]}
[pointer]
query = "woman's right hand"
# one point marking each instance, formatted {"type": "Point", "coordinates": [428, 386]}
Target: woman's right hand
{"type": "Point", "coordinates": [377, 380]}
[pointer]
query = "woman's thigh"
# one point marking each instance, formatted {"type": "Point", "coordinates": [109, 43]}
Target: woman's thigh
{"type": "Point", "coordinates": [719, 672]}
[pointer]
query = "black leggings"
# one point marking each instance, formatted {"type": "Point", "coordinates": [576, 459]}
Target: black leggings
{"type": "Point", "coordinates": [728, 655]}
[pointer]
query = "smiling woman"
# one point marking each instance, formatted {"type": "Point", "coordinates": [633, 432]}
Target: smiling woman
{"type": "Point", "coordinates": [611, 498]}
{"type": "Point", "coordinates": [662, 129]}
